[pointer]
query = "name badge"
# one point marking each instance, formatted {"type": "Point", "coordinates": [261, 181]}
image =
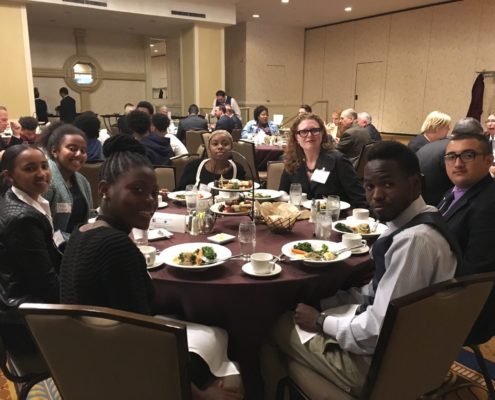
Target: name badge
{"type": "Point", "coordinates": [58, 238]}
{"type": "Point", "coordinates": [63, 208]}
{"type": "Point", "coordinates": [320, 176]}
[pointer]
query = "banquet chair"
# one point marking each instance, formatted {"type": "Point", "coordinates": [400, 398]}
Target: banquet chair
{"type": "Point", "coordinates": [180, 162]}
{"type": "Point", "coordinates": [422, 331]}
{"type": "Point", "coordinates": [246, 149]}
{"type": "Point", "coordinates": [165, 176]}
{"type": "Point", "coordinates": [274, 173]}
{"type": "Point", "coordinates": [193, 140]}
{"type": "Point", "coordinates": [236, 134]}
{"type": "Point", "coordinates": [100, 353]}
{"type": "Point", "coordinates": [363, 159]}
{"type": "Point", "coordinates": [91, 171]}
{"type": "Point", "coordinates": [206, 139]}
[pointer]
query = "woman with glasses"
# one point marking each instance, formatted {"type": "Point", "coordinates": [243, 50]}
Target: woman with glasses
{"type": "Point", "coordinates": [313, 162]}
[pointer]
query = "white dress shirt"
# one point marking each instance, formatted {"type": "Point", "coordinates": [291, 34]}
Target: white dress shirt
{"type": "Point", "coordinates": [41, 205]}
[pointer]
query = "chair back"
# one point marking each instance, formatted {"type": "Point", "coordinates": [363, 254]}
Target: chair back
{"type": "Point", "coordinates": [99, 353]}
{"type": "Point", "coordinates": [180, 162]}
{"type": "Point", "coordinates": [206, 139]}
{"type": "Point", "coordinates": [274, 173]}
{"type": "Point", "coordinates": [246, 149]}
{"type": "Point", "coordinates": [363, 158]}
{"type": "Point", "coordinates": [236, 134]}
{"type": "Point", "coordinates": [193, 140]}
{"type": "Point", "coordinates": [165, 176]}
{"type": "Point", "coordinates": [91, 172]}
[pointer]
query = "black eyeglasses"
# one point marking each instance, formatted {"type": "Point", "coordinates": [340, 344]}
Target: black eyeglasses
{"type": "Point", "coordinates": [306, 132]}
{"type": "Point", "coordinates": [465, 156]}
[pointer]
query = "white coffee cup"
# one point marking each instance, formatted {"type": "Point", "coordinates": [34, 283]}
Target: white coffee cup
{"type": "Point", "coordinates": [353, 240]}
{"type": "Point", "coordinates": [262, 263]}
{"type": "Point", "coordinates": [304, 197]}
{"type": "Point", "coordinates": [361, 213]}
{"type": "Point", "coordinates": [149, 253]}
{"type": "Point", "coordinates": [160, 199]}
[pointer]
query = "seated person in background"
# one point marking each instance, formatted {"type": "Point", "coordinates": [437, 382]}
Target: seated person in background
{"type": "Point", "coordinates": [206, 171]}
{"type": "Point", "coordinates": [29, 259]}
{"type": "Point", "coordinates": [193, 122]}
{"type": "Point", "coordinates": [490, 134]}
{"type": "Point", "coordinates": [259, 124]}
{"type": "Point", "coordinates": [122, 121]}
{"type": "Point", "coordinates": [146, 107]}
{"type": "Point", "coordinates": [159, 126]}
{"type": "Point", "coordinates": [103, 267]}
{"type": "Point", "coordinates": [24, 131]}
{"type": "Point", "coordinates": [4, 128]}
{"type": "Point", "coordinates": [436, 126]}
{"type": "Point", "coordinates": [333, 126]}
{"type": "Point", "coordinates": [89, 123]}
{"type": "Point", "coordinates": [304, 108]}
{"type": "Point", "coordinates": [469, 211]}
{"type": "Point", "coordinates": [158, 149]}
{"type": "Point", "coordinates": [307, 150]}
{"type": "Point", "coordinates": [352, 137]}
{"type": "Point", "coordinates": [69, 194]}
{"type": "Point", "coordinates": [230, 113]}
{"type": "Point", "coordinates": [364, 121]}
{"type": "Point", "coordinates": [224, 122]}
{"type": "Point", "coordinates": [221, 98]}
{"type": "Point", "coordinates": [415, 252]}
{"type": "Point", "coordinates": [40, 106]}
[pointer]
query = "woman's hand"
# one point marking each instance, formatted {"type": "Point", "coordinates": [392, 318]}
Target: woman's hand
{"type": "Point", "coordinates": [305, 316]}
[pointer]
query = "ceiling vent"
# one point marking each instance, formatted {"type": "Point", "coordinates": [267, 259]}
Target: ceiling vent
{"type": "Point", "coordinates": [188, 14]}
{"type": "Point", "coordinates": [88, 2]}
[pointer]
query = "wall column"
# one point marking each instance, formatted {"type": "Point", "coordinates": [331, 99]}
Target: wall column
{"type": "Point", "coordinates": [16, 86]}
{"type": "Point", "coordinates": [202, 65]}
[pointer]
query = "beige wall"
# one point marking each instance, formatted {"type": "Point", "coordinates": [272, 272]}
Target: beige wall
{"type": "Point", "coordinates": [15, 69]}
{"type": "Point", "coordinates": [187, 50]}
{"type": "Point", "coordinates": [430, 59]}
{"type": "Point", "coordinates": [235, 62]}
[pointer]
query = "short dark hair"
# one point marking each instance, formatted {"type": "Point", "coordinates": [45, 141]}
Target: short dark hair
{"type": "Point", "coordinates": [55, 137]}
{"type": "Point", "coordinates": [138, 122]}
{"type": "Point", "coordinates": [258, 110]}
{"type": "Point", "coordinates": [486, 146]}
{"type": "Point", "coordinates": [306, 107]}
{"type": "Point", "coordinates": [405, 158]}
{"type": "Point", "coordinates": [222, 108]}
{"type": "Point", "coordinates": [29, 123]}
{"type": "Point", "coordinates": [467, 125]}
{"type": "Point", "coordinates": [193, 109]}
{"type": "Point", "coordinates": [147, 105]}
{"type": "Point", "coordinates": [63, 90]}
{"type": "Point", "coordinates": [160, 122]}
{"type": "Point", "coordinates": [36, 93]}
{"type": "Point", "coordinates": [220, 93]}
{"type": "Point", "coordinates": [89, 123]}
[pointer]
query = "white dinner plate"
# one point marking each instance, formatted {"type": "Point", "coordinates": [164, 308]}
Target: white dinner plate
{"type": "Point", "coordinates": [212, 185]}
{"type": "Point", "coordinates": [215, 209]}
{"type": "Point", "coordinates": [168, 255]}
{"type": "Point", "coordinates": [268, 195]}
{"type": "Point", "coordinates": [248, 269]}
{"type": "Point", "coordinates": [352, 223]}
{"type": "Point", "coordinates": [343, 204]}
{"type": "Point", "coordinates": [177, 196]}
{"type": "Point", "coordinates": [317, 245]}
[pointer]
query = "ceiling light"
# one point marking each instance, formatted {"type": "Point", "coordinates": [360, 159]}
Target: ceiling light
{"type": "Point", "coordinates": [155, 51]}
{"type": "Point", "coordinates": [284, 1]}
{"type": "Point", "coordinates": [256, 15]}
{"type": "Point", "coordinates": [152, 45]}
{"type": "Point", "coordinates": [348, 9]}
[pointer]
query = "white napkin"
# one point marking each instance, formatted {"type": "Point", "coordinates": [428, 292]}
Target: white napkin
{"type": "Point", "coordinates": [171, 222]}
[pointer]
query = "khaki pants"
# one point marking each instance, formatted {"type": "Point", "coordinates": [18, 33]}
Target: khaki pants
{"type": "Point", "coordinates": [346, 370]}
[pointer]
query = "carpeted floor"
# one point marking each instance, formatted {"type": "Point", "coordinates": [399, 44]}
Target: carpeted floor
{"type": "Point", "coordinates": [466, 382]}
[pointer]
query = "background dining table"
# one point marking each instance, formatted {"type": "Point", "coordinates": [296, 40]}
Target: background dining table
{"type": "Point", "coordinates": [245, 306]}
{"type": "Point", "coordinates": [265, 153]}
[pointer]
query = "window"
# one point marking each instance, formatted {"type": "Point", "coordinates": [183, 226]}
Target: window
{"type": "Point", "coordinates": [83, 73]}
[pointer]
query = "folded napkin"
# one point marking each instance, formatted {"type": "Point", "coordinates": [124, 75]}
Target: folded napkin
{"type": "Point", "coordinates": [171, 222]}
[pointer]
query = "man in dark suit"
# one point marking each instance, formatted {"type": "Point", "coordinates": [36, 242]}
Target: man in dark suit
{"type": "Point", "coordinates": [353, 138]}
{"type": "Point", "coordinates": [193, 122]}
{"type": "Point", "coordinates": [67, 107]}
{"type": "Point", "coordinates": [231, 114]}
{"type": "Point", "coordinates": [364, 121]}
{"type": "Point", "coordinates": [41, 107]}
{"type": "Point", "coordinates": [469, 210]}
{"type": "Point", "coordinates": [223, 120]}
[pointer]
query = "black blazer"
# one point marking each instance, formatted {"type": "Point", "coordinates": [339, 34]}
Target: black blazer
{"type": "Point", "coordinates": [352, 142]}
{"type": "Point", "coordinates": [472, 219]}
{"type": "Point", "coordinates": [342, 181]}
{"type": "Point", "coordinates": [192, 123]}
{"type": "Point", "coordinates": [225, 123]}
{"type": "Point", "coordinates": [67, 109]}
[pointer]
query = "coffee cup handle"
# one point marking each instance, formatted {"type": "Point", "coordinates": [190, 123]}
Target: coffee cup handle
{"type": "Point", "coordinates": [363, 242]}
{"type": "Point", "coordinates": [147, 257]}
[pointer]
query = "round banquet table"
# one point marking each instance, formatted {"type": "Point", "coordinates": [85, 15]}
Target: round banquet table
{"type": "Point", "coordinates": [244, 306]}
{"type": "Point", "coordinates": [265, 153]}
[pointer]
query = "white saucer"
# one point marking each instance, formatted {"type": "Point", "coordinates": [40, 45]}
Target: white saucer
{"type": "Point", "coordinates": [248, 269]}
{"type": "Point", "coordinates": [163, 204]}
{"type": "Point", "coordinates": [361, 250]}
{"type": "Point", "coordinates": [158, 263]}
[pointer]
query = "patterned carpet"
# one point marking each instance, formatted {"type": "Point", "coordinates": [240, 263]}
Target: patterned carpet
{"type": "Point", "coordinates": [466, 382]}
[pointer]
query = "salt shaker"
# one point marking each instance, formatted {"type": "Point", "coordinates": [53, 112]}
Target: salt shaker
{"type": "Point", "coordinates": [194, 230]}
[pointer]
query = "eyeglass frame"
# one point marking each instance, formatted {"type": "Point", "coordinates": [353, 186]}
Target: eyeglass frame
{"type": "Point", "coordinates": [452, 157]}
{"type": "Point", "coordinates": [313, 131]}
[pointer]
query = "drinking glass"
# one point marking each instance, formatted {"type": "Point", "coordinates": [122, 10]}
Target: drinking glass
{"type": "Point", "coordinates": [323, 225]}
{"type": "Point", "coordinates": [247, 239]}
{"type": "Point", "coordinates": [140, 236]}
{"type": "Point", "coordinates": [295, 194]}
{"type": "Point", "coordinates": [333, 205]}
{"type": "Point", "coordinates": [191, 199]}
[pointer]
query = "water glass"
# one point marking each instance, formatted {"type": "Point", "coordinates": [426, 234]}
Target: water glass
{"type": "Point", "coordinates": [323, 225]}
{"type": "Point", "coordinates": [295, 194]}
{"type": "Point", "coordinates": [247, 239]}
{"type": "Point", "coordinates": [191, 199]}
{"type": "Point", "coordinates": [333, 205]}
{"type": "Point", "coordinates": [140, 236]}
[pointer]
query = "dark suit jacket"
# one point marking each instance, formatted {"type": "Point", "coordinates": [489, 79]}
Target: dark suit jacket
{"type": "Point", "coordinates": [352, 142]}
{"type": "Point", "coordinates": [472, 219]}
{"type": "Point", "coordinates": [374, 134]}
{"type": "Point", "coordinates": [67, 109]}
{"type": "Point", "coordinates": [432, 165]}
{"type": "Point", "coordinates": [192, 123]}
{"type": "Point", "coordinates": [342, 181]}
{"type": "Point", "coordinates": [225, 123]}
{"type": "Point", "coordinates": [41, 110]}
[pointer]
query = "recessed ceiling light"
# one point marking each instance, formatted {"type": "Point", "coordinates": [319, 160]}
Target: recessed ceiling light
{"type": "Point", "coordinates": [348, 9]}
{"type": "Point", "coordinates": [284, 1]}
{"type": "Point", "coordinates": [256, 15]}
{"type": "Point", "coordinates": [155, 51]}
{"type": "Point", "coordinates": [152, 45]}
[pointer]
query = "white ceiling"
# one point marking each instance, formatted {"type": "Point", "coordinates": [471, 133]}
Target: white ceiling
{"type": "Point", "coordinates": [297, 13]}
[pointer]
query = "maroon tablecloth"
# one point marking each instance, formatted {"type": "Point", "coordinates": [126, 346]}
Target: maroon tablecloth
{"type": "Point", "coordinates": [265, 153]}
{"type": "Point", "coordinates": [244, 306]}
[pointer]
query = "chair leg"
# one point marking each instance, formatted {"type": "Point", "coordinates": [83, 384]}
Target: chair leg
{"type": "Point", "coordinates": [484, 370]}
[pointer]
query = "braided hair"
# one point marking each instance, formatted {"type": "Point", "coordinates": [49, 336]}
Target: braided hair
{"type": "Point", "coordinates": [122, 153]}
